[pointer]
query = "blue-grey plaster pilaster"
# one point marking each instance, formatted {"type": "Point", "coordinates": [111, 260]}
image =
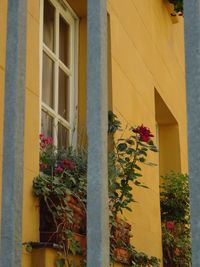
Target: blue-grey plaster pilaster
{"type": "Point", "coordinates": [192, 45]}
{"type": "Point", "coordinates": [13, 137]}
{"type": "Point", "coordinates": [97, 113]}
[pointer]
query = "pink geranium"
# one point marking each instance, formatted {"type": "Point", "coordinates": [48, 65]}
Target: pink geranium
{"type": "Point", "coordinates": [45, 141]}
{"type": "Point", "coordinates": [170, 225]}
{"type": "Point", "coordinates": [58, 170]}
{"type": "Point", "coordinates": [68, 164]}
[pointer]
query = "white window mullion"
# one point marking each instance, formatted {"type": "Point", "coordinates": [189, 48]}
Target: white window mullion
{"type": "Point", "coordinates": [50, 53]}
{"type": "Point", "coordinates": [65, 68]}
{"type": "Point", "coordinates": [71, 82]}
{"type": "Point", "coordinates": [61, 64]}
{"type": "Point", "coordinates": [75, 84]}
{"type": "Point", "coordinates": [41, 58]}
{"type": "Point", "coordinates": [56, 77]}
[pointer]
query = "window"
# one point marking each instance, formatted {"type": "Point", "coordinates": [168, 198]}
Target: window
{"type": "Point", "coordinates": [58, 94]}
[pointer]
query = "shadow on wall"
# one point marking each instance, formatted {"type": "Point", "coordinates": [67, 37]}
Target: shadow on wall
{"type": "Point", "coordinates": [168, 137]}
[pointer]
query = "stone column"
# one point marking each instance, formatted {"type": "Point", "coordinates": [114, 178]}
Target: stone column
{"type": "Point", "coordinates": [192, 45]}
{"type": "Point", "coordinates": [97, 113]}
{"type": "Point", "coordinates": [13, 142]}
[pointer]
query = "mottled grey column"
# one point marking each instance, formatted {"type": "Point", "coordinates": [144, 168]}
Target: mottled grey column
{"type": "Point", "coordinates": [13, 143]}
{"type": "Point", "coordinates": [97, 112]}
{"type": "Point", "coordinates": [192, 44]}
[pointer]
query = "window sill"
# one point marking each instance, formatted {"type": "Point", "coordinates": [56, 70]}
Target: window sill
{"type": "Point", "coordinates": [46, 257]}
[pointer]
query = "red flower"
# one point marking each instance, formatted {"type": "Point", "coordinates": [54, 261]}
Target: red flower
{"type": "Point", "coordinates": [43, 166]}
{"type": "Point", "coordinates": [68, 164]}
{"type": "Point", "coordinates": [144, 132]}
{"type": "Point", "coordinates": [170, 225]}
{"type": "Point", "coordinates": [58, 170]}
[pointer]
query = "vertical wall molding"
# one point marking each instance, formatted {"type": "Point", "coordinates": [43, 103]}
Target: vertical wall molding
{"type": "Point", "coordinates": [192, 46]}
{"type": "Point", "coordinates": [97, 112]}
{"type": "Point", "coordinates": [13, 142]}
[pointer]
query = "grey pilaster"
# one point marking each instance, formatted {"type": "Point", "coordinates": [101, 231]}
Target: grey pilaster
{"type": "Point", "coordinates": [97, 108]}
{"type": "Point", "coordinates": [13, 143]}
{"type": "Point", "coordinates": [192, 44]}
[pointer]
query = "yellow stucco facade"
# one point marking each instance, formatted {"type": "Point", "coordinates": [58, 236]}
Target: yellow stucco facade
{"type": "Point", "coordinates": [147, 84]}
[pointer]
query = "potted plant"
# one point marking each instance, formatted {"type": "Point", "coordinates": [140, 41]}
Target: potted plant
{"type": "Point", "coordinates": [178, 6]}
{"type": "Point", "coordinates": [175, 215]}
{"type": "Point", "coordinates": [61, 189]}
{"type": "Point", "coordinates": [125, 165]}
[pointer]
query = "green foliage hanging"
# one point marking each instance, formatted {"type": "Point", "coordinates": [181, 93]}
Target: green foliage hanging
{"type": "Point", "coordinates": [178, 5]}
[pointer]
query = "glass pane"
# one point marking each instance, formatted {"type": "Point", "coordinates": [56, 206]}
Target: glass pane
{"type": "Point", "coordinates": [64, 41]}
{"type": "Point", "coordinates": [47, 81]}
{"type": "Point", "coordinates": [63, 136]}
{"type": "Point", "coordinates": [63, 100]}
{"type": "Point", "coordinates": [47, 125]}
{"type": "Point", "coordinates": [48, 29]}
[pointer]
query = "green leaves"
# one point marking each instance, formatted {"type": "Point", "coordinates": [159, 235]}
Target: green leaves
{"type": "Point", "coordinates": [64, 176]}
{"type": "Point", "coordinates": [60, 263]}
{"type": "Point", "coordinates": [129, 156]}
{"type": "Point", "coordinates": [178, 5]}
{"type": "Point", "coordinates": [122, 147]}
{"type": "Point", "coordinates": [113, 123]}
{"type": "Point", "coordinates": [175, 214]}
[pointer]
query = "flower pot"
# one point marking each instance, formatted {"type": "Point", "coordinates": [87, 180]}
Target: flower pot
{"type": "Point", "coordinates": [74, 220]}
{"type": "Point", "coordinates": [82, 242]}
{"type": "Point", "coordinates": [121, 232]}
{"type": "Point", "coordinates": [121, 255]}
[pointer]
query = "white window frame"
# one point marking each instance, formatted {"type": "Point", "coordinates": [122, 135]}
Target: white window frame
{"type": "Point", "coordinates": [62, 8]}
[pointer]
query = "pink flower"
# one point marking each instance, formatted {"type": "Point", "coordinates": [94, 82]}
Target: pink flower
{"type": "Point", "coordinates": [58, 170]}
{"type": "Point", "coordinates": [50, 140]}
{"type": "Point", "coordinates": [41, 136]}
{"type": "Point", "coordinates": [45, 141]}
{"type": "Point", "coordinates": [144, 132]}
{"type": "Point", "coordinates": [170, 225]}
{"type": "Point", "coordinates": [43, 166]}
{"type": "Point", "coordinates": [68, 164]}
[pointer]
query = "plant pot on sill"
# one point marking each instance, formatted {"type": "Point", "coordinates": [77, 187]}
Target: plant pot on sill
{"type": "Point", "coordinates": [51, 231]}
{"type": "Point", "coordinates": [121, 232]}
{"type": "Point", "coordinates": [54, 238]}
{"type": "Point", "coordinates": [121, 255]}
{"type": "Point", "coordinates": [82, 242]}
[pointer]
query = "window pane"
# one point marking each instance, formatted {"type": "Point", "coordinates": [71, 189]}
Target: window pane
{"type": "Point", "coordinates": [63, 136]}
{"type": "Point", "coordinates": [48, 81]}
{"type": "Point", "coordinates": [64, 41]}
{"type": "Point", "coordinates": [47, 124]}
{"type": "Point", "coordinates": [48, 29]}
{"type": "Point", "coordinates": [63, 104]}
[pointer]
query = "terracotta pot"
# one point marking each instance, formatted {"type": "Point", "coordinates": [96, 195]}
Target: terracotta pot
{"type": "Point", "coordinates": [121, 232]}
{"type": "Point", "coordinates": [121, 255]}
{"type": "Point", "coordinates": [82, 241]}
{"type": "Point", "coordinates": [51, 231]}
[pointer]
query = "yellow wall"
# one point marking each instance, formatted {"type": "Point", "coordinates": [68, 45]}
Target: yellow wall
{"type": "Point", "coordinates": [31, 150]}
{"type": "Point", "coordinates": [147, 53]}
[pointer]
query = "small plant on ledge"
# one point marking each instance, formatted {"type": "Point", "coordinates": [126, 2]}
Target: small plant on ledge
{"type": "Point", "coordinates": [61, 189]}
{"type": "Point", "coordinates": [178, 6]}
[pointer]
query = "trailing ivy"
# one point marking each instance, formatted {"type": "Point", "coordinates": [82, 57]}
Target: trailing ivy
{"type": "Point", "coordinates": [62, 182]}
{"type": "Point", "coordinates": [178, 5]}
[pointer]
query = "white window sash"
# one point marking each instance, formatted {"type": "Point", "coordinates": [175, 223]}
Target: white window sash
{"type": "Point", "coordinates": [71, 71]}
